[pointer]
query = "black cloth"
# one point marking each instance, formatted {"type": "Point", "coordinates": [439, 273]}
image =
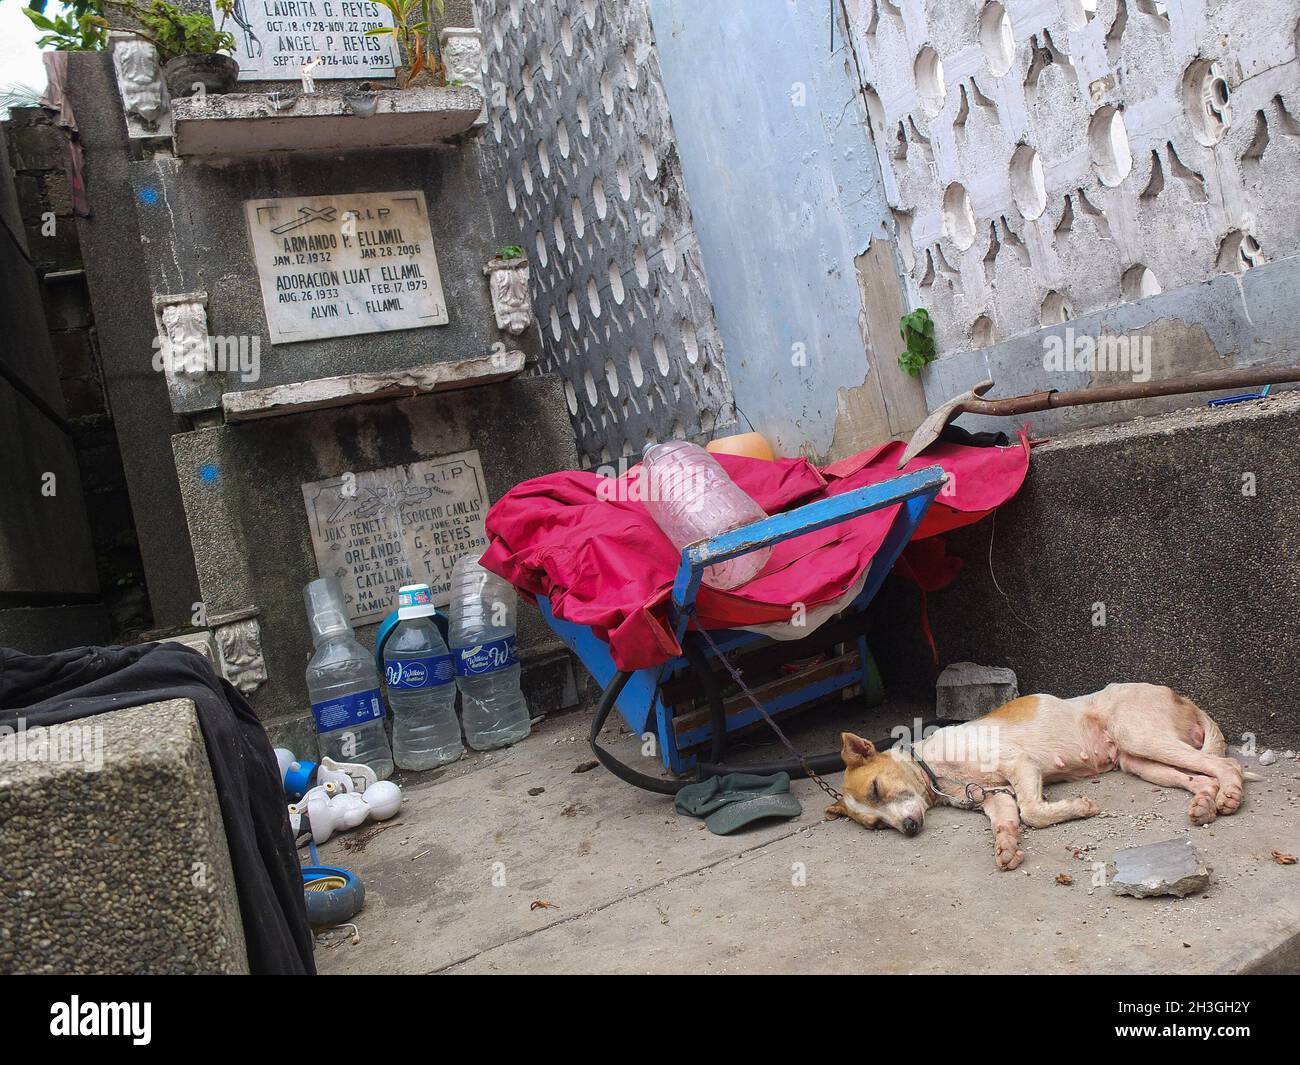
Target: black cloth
{"type": "Point", "coordinates": [84, 681]}
{"type": "Point", "coordinates": [955, 434]}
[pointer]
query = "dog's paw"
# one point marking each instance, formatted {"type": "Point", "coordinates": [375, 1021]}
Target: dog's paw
{"type": "Point", "coordinates": [1202, 811]}
{"type": "Point", "coordinates": [1228, 801]}
{"type": "Point", "coordinates": [1007, 854]}
{"type": "Point", "coordinates": [1087, 807]}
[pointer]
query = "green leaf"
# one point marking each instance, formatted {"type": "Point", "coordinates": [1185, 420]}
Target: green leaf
{"type": "Point", "coordinates": [38, 20]}
{"type": "Point", "coordinates": [917, 330]}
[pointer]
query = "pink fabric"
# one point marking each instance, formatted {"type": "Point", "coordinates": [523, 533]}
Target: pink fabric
{"type": "Point", "coordinates": [602, 561]}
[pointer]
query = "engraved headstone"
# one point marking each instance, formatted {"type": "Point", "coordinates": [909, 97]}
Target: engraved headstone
{"type": "Point", "coordinates": [340, 265]}
{"type": "Point", "coordinates": [380, 529]}
{"type": "Point", "coordinates": [273, 38]}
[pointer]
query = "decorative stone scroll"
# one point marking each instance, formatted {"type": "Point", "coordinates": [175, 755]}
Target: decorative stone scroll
{"type": "Point", "coordinates": [181, 322]}
{"type": "Point", "coordinates": [508, 282]}
{"type": "Point", "coordinates": [239, 647]}
{"type": "Point", "coordinates": [140, 83]}
{"type": "Point", "coordinates": [462, 55]}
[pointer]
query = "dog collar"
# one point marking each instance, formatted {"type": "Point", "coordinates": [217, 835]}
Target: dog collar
{"type": "Point", "coordinates": [975, 794]}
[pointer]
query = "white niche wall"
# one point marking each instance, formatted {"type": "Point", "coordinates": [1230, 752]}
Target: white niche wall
{"type": "Point", "coordinates": [1049, 158]}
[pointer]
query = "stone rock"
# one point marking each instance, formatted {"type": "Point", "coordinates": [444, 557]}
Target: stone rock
{"type": "Point", "coordinates": [1268, 758]}
{"type": "Point", "coordinates": [1171, 867]}
{"type": "Point", "coordinates": [115, 850]}
{"type": "Point", "coordinates": [966, 691]}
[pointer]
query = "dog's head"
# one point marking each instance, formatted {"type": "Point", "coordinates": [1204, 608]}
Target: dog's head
{"type": "Point", "coordinates": [881, 790]}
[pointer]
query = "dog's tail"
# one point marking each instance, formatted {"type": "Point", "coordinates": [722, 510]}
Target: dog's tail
{"type": "Point", "coordinates": [1214, 742]}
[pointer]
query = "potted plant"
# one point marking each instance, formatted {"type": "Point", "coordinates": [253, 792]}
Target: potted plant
{"type": "Point", "coordinates": [416, 36]}
{"type": "Point", "coordinates": [193, 50]}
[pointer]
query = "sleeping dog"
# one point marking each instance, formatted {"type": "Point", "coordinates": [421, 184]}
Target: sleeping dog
{"type": "Point", "coordinates": [1000, 762]}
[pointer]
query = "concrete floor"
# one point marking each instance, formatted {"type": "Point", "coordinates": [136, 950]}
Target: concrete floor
{"type": "Point", "coordinates": [454, 885]}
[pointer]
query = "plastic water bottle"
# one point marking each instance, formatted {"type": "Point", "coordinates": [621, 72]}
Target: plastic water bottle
{"type": "Point", "coordinates": [343, 685]}
{"type": "Point", "coordinates": [486, 657]}
{"type": "Point", "coordinates": [421, 685]}
{"type": "Point", "coordinates": [691, 498]}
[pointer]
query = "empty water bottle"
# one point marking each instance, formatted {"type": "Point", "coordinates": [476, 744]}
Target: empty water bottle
{"type": "Point", "coordinates": [343, 685]}
{"type": "Point", "coordinates": [691, 498]}
{"type": "Point", "coordinates": [486, 656]}
{"type": "Point", "coordinates": [421, 685]}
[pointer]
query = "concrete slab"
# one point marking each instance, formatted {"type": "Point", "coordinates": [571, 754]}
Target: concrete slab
{"type": "Point", "coordinates": [341, 391]}
{"type": "Point", "coordinates": [634, 888]}
{"type": "Point", "coordinates": [237, 124]}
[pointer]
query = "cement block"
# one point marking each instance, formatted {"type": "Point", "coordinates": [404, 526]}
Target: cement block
{"type": "Point", "coordinates": [38, 630]}
{"type": "Point", "coordinates": [115, 857]}
{"type": "Point", "coordinates": [1170, 867]}
{"type": "Point", "coordinates": [1156, 550]}
{"type": "Point", "coordinates": [966, 691]}
{"type": "Point", "coordinates": [242, 486]}
{"type": "Point", "coordinates": [39, 148]}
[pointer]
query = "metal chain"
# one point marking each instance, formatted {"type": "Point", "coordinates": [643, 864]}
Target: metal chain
{"type": "Point", "coordinates": [971, 801]}
{"type": "Point", "coordinates": [753, 699]}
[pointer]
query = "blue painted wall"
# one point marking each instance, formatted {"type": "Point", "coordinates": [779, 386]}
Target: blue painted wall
{"type": "Point", "coordinates": [783, 197]}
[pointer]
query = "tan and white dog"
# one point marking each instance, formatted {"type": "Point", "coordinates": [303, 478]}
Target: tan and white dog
{"type": "Point", "coordinates": [1149, 731]}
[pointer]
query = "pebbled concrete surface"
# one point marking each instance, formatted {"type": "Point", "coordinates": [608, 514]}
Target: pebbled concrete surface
{"type": "Point", "coordinates": [113, 856]}
{"type": "Point", "coordinates": [635, 888]}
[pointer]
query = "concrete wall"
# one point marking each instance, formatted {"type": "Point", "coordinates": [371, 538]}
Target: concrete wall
{"type": "Point", "coordinates": [1227, 321]}
{"type": "Point", "coordinates": [1046, 160]}
{"type": "Point", "coordinates": [787, 196]}
{"type": "Point", "coordinates": [1178, 532]}
{"type": "Point", "coordinates": [210, 251]}
{"type": "Point", "coordinates": [587, 154]}
{"type": "Point", "coordinates": [45, 204]}
{"type": "Point", "coordinates": [45, 549]}
{"type": "Point", "coordinates": [243, 494]}
{"type": "Point", "coordinates": [120, 293]}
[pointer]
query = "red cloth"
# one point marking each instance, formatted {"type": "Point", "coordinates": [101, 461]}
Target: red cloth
{"type": "Point", "coordinates": [600, 559]}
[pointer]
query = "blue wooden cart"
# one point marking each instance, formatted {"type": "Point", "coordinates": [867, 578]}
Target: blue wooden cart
{"type": "Point", "coordinates": [684, 701]}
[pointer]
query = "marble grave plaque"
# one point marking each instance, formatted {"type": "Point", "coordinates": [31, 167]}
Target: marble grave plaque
{"type": "Point", "coordinates": [380, 529]}
{"type": "Point", "coordinates": [273, 38]}
{"type": "Point", "coordinates": [334, 266]}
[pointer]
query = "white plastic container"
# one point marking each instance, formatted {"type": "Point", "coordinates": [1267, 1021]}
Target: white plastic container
{"type": "Point", "coordinates": [486, 656]}
{"type": "Point", "coordinates": [343, 685]}
{"type": "Point", "coordinates": [421, 683]}
{"type": "Point", "coordinates": [691, 498]}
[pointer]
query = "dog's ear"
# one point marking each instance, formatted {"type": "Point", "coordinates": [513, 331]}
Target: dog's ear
{"type": "Point", "coordinates": [836, 809]}
{"type": "Point", "coordinates": [855, 750]}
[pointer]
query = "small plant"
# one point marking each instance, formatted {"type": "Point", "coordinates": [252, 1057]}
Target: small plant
{"type": "Point", "coordinates": [510, 251]}
{"type": "Point", "coordinates": [917, 331]}
{"type": "Point", "coordinates": [175, 33]}
{"type": "Point", "coordinates": [415, 33]}
{"type": "Point", "coordinates": [80, 28]}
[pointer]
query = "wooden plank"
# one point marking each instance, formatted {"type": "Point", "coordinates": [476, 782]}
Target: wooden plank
{"type": "Point", "coordinates": [846, 663]}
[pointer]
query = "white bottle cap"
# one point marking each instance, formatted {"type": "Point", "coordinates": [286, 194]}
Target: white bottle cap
{"type": "Point", "coordinates": [415, 601]}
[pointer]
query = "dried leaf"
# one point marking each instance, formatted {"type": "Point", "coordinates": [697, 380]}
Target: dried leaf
{"type": "Point", "coordinates": [1064, 879]}
{"type": "Point", "coordinates": [542, 904]}
{"type": "Point", "coordinates": [1284, 859]}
